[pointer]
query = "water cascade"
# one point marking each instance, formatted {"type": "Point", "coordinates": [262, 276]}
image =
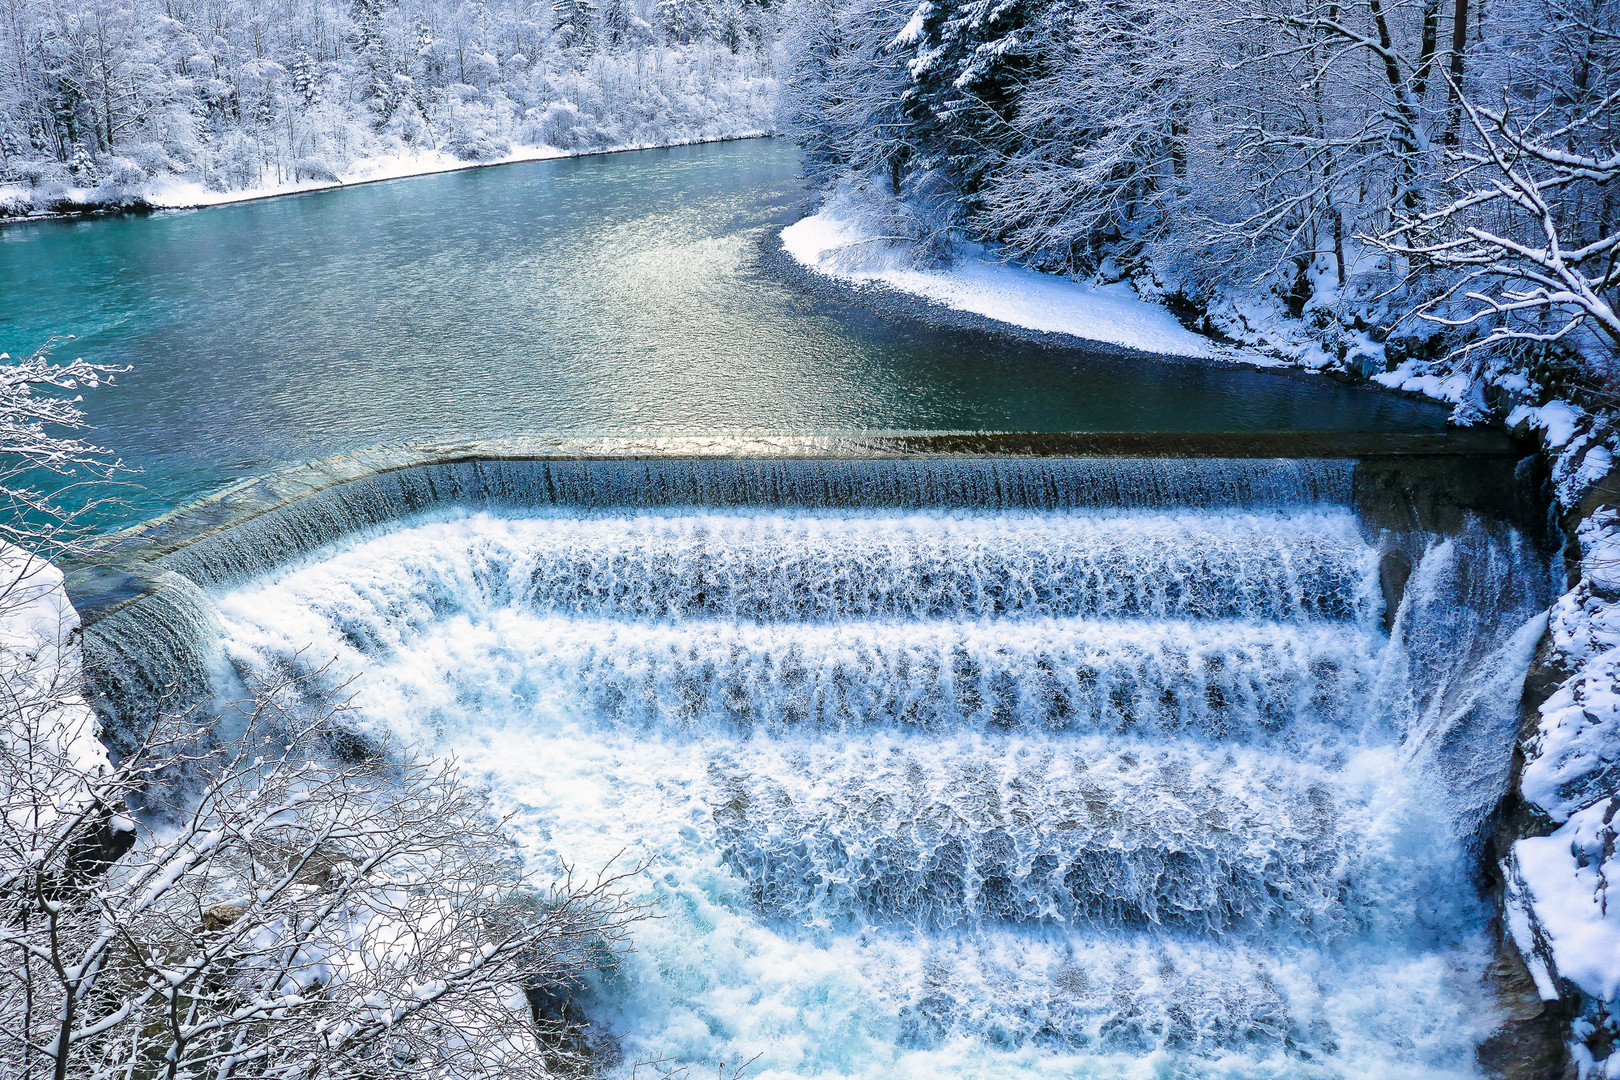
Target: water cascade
{"type": "Point", "coordinates": [939, 770]}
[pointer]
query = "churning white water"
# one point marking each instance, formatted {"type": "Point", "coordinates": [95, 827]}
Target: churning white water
{"type": "Point", "coordinates": [1091, 794]}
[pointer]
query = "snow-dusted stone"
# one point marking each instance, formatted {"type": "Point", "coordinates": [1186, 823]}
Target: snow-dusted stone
{"type": "Point", "coordinates": [1574, 756]}
{"type": "Point", "coordinates": [1558, 903]}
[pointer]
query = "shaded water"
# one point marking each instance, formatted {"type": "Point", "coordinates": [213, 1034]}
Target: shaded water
{"type": "Point", "coordinates": [623, 293]}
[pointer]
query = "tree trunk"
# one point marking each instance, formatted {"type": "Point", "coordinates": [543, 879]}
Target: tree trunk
{"type": "Point", "coordinates": [1459, 41]}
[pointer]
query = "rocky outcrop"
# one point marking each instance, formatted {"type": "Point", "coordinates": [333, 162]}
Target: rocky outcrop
{"type": "Point", "coordinates": [1552, 854]}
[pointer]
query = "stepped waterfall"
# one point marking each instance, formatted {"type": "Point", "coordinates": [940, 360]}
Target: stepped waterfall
{"type": "Point", "coordinates": [945, 773]}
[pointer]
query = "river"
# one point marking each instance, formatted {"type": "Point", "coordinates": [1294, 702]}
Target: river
{"type": "Point", "coordinates": [626, 293]}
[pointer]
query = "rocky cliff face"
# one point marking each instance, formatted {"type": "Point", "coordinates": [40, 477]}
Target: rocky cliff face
{"type": "Point", "coordinates": [1552, 855]}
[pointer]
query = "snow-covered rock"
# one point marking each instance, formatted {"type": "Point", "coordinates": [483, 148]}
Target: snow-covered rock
{"type": "Point", "coordinates": [1557, 421]}
{"type": "Point", "coordinates": [1574, 756]}
{"type": "Point", "coordinates": [1422, 377]}
{"type": "Point", "coordinates": [48, 733]}
{"type": "Point", "coordinates": [1559, 911]}
{"type": "Point", "coordinates": [40, 661]}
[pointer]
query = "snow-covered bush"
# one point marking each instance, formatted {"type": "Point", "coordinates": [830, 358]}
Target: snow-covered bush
{"type": "Point", "coordinates": [561, 125]}
{"type": "Point", "coordinates": [296, 915]}
{"type": "Point", "coordinates": [895, 232]}
{"type": "Point", "coordinates": [470, 144]}
{"type": "Point", "coordinates": [313, 168]}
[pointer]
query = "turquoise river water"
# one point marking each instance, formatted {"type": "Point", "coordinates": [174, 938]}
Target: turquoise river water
{"type": "Point", "coordinates": [627, 293]}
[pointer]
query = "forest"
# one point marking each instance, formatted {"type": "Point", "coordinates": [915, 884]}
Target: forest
{"type": "Point", "coordinates": [102, 99]}
{"type": "Point", "coordinates": [1352, 184]}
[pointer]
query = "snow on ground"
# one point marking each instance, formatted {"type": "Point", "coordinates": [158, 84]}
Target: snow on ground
{"type": "Point", "coordinates": [995, 290]}
{"type": "Point", "coordinates": [1558, 884]}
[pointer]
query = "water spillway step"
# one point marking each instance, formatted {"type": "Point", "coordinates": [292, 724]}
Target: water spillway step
{"type": "Point", "coordinates": [257, 527]}
{"type": "Point", "coordinates": [1090, 832]}
{"type": "Point", "coordinates": [1226, 1009]}
{"type": "Point", "coordinates": [937, 566]}
{"type": "Point", "coordinates": [810, 567]}
{"type": "Point", "coordinates": [926, 787]}
{"type": "Point", "coordinates": [1215, 680]}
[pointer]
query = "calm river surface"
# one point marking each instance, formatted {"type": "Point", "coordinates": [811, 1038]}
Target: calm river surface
{"type": "Point", "coordinates": [627, 293]}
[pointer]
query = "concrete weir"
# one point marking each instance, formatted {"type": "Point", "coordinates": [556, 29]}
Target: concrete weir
{"type": "Point", "coordinates": [1077, 660]}
{"type": "Point", "coordinates": [147, 623]}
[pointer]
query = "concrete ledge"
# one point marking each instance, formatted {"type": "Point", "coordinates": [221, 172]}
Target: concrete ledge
{"type": "Point", "coordinates": [121, 566]}
{"type": "Point", "coordinates": [141, 592]}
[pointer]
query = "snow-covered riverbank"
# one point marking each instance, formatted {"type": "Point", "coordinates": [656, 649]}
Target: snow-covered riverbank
{"type": "Point", "coordinates": [18, 203]}
{"type": "Point", "coordinates": [835, 243]}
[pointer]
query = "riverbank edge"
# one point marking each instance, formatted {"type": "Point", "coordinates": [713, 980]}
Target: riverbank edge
{"type": "Point", "coordinates": [143, 203]}
{"type": "Point", "coordinates": [1570, 432]}
{"type": "Point", "coordinates": [777, 261]}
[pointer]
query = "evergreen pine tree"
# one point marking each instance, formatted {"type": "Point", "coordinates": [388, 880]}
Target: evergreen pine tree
{"type": "Point", "coordinates": [616, 16]}
{"type": "Point", "coordinates": [306, 79]}
{"type": "Point", "coordinates": [82, 164]}
{"type": "Point", "coordinates": [576, 20]}
{"type": "Point", "coordinates": [683, 21]}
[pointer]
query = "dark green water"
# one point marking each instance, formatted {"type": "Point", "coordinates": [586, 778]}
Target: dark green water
{"type": "Point", "coordinates": [629, 293]}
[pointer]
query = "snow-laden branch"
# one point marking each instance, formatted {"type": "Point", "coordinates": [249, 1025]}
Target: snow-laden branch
{"type": "Point", "coordinates": [50, 480]}
{"type": "Point", "coordinates": [286, 915]}
{"type": "Point", "coordinates": [1522, 265]}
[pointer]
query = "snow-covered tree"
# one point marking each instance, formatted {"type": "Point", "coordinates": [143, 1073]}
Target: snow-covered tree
{"type": "Point", "coordinates": [290, 912]}
{"type": "Point", "coordinates": [575, 22]}
{"type": "Point", "coordinates": [1346, 163]}
{"type": "Point", "coordinates": [1512, 252]}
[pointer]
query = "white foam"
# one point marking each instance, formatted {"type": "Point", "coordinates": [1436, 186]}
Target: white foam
{"type": "Point", "coordinates": [1282, 896]}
